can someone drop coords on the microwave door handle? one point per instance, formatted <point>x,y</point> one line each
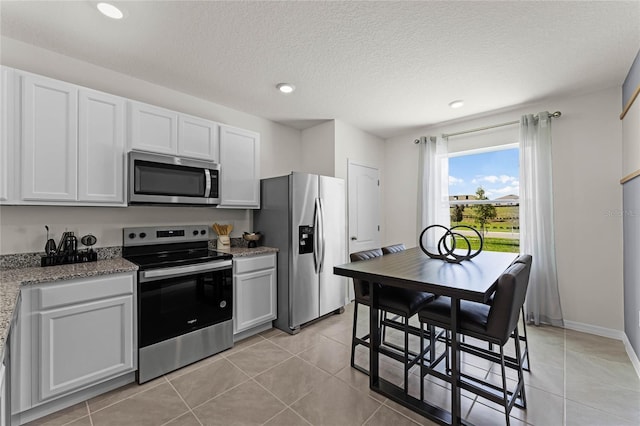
<point>207,177</point>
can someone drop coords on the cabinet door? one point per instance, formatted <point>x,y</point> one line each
<point>6,151</point>
<point>198,138</point>
<point>240,168</point>
<point>83,344</point>
<point>4,401</point>
<point>254,299</point>
<point>49,139</point>
<point>153,129</point>
<point>100,147</point>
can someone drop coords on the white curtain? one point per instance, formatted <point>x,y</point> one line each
<point>433,186</point>
<point>542,304</point>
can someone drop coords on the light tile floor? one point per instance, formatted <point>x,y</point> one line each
<point>277,379</point>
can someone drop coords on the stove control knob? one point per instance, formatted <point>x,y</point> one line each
<point>132,235</point>
<point>202,232</point>
<point>195,233</point>
<point>143,234</point>
<point>223,303</point>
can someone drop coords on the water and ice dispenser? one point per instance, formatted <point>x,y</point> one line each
<point>305,239</point>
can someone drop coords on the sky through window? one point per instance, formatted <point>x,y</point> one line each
<point>497,172</point>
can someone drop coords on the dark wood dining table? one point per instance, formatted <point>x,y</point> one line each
<point>473,280</point>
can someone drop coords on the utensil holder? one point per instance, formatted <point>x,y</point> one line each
<point>69,258</point>
<point>224,242</point>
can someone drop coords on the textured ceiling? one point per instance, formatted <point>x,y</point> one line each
<point>384,67</point>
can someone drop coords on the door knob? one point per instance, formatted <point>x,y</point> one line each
<point>354,238</point>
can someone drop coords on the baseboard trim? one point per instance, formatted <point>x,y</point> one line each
<point>610,333</point>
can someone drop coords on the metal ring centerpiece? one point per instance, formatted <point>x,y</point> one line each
<point>448,244</point>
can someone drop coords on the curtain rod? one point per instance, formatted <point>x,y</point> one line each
<point>479,129</point>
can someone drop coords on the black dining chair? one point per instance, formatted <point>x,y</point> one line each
<point>493,323</point>
<point>394,248</point>
<point>526,363</point>
<point>401,302</point>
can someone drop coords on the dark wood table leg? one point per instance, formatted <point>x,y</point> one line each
<point>374,336</point>
<point>456,419</point>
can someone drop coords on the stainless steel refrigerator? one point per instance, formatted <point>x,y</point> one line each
<point>304,216</point>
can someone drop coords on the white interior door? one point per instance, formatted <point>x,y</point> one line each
<point>364,207</point>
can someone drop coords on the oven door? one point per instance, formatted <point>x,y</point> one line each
<point>177,300</point>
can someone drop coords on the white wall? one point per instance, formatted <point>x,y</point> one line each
<point>318,149</point>
<point>22,228</point>
<point>358,146</point>
<point>587,148</point>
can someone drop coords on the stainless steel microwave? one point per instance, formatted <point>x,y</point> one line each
<point>167,179</point>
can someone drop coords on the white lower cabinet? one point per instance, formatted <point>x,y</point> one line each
<point>254,292</point>
<point>74,355</point>
<point>4,400</point>
<point>72,335</point>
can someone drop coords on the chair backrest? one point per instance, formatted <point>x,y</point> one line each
<point>395,248</point>
<point>509,298</point>
<point>361,287</point>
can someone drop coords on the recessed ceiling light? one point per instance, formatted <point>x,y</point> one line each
<point>110,10</point>
<point>456,104</point>
<point>285,87</point>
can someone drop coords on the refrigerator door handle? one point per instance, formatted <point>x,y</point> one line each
<point>316,237</point>
<point>321,234</point>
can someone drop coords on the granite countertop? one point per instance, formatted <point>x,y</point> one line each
<point>245,251</point>
<point>12,279</point>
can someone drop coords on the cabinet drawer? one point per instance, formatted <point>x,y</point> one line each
<point>254,263</point>
<point>83,290</point>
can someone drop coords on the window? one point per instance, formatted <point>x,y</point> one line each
<point>484,194</point>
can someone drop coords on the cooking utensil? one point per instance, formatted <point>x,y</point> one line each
<point>63,238</point>
<point>50,246</point>
<point>88,240</point>
<point>222,229</point>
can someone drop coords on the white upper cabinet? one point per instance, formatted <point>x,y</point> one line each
<point>198,138</point>
<point>68,146</point>
<point>101,147</point>
<point>6,128</point>
<point>49,139</point>
<point>153,129</point>
<point>163,131</point>
<point>240,168</point>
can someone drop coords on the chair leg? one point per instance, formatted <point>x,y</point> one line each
<point>422,358</point>
<point>523,397</point>
<point>383,318</point>
<point>432,343</point>
<point>505,393</point>
<point>526,342</point>
<point>406,355</point>
<point>353,335</point>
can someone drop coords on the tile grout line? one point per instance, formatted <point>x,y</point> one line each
<point>89,411</point>
<point>123,399</point>
<point>185,403</point>
<point>286,406</point>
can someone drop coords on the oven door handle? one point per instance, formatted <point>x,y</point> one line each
<point>156,274</point>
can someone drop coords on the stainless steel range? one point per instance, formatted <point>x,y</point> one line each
<point>185,297</point>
